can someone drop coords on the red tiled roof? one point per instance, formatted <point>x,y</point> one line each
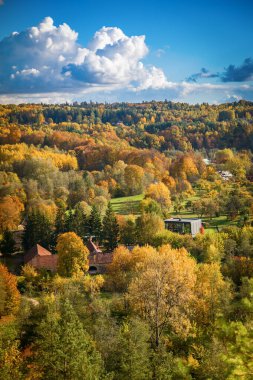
<point>92,247</point>
<point>36,250</point>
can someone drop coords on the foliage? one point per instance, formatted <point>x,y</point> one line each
<point>9,294</point>
<point>72,255</point>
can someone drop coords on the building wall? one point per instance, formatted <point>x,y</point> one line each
<point>47,262</point>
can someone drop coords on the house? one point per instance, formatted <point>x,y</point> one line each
<point>92,247</point>
<point>41,258</point>
<point>99,262</point>
<point>191,226</point>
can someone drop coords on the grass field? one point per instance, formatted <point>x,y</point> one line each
<point>127,205</point>
<point>131,205</point>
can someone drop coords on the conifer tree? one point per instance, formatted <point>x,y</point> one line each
<point>7,245</point>
<point>129,358</point>
<point>110,233</point>
<point>95,225</point>
<point>39,230</point>
<point>64,350</point>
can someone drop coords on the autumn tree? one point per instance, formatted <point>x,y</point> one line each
<point>134,179</point>
<point>147,226</point>
<point>9,294</point>
<point>72,255</point>
<point>160,193</point>
<point>120,270</point>
<point>10,212</point>
<point>163,291</point>
<point>11,363</point>
<point>212,294</point>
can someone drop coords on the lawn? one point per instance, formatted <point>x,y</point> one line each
<point>127,205</point>
<point>131,205</point>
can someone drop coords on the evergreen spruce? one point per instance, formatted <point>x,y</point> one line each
<point>110,233</point>
<point>65,350</point>
<point>8,243</point>
<point>95,224</point>
<point>39,230</point>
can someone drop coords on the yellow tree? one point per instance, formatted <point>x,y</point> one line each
<point>160,193</point>
<point>72,255</point>
<point>134,176</point>
<point>9,294</point>
<point>10,212</point>
<point>163,291</point>
<point>212,293</point>
<point>123,267</point>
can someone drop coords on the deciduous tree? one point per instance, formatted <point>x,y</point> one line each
<point>72,255</point>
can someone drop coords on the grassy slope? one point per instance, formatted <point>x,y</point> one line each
<point>130,205</point>
<point>127,205</point>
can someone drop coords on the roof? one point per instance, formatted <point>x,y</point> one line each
<point>36,250</point>
<point>92,247</point>
<point>182,220</point>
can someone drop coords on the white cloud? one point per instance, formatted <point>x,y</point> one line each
<point>49,58</point>
<point>46,63</point>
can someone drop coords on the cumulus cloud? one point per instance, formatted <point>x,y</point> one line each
<point>241,73</point>
<point>49,58</point>
<point>46,63</point>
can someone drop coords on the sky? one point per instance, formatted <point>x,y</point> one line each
<point>189,51</point>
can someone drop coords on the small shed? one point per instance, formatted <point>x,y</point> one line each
<point>183,226</point>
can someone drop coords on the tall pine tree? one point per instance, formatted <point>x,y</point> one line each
<point>110,233</point>
<point>39,230</point>
<point>64,349</point>
<point>7,245</point>
<point>95,224</point>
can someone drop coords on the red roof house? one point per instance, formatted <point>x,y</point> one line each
<point>40,258</point>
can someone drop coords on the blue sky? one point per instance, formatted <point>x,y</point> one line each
<point>187,49</point>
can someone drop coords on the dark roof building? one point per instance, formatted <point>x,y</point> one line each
<point>191,226</point>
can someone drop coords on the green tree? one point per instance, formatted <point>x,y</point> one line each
<point>110,232</point>
<point>10,356</point>
<point>7,245</point>
<point>147,226</point>
<point>39,230</point>
<point>64,350</point>
<point>131,356</point>
<point>95,224</point>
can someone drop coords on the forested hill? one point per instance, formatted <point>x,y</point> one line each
<point>165,304</point>
<point>159,125</point>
